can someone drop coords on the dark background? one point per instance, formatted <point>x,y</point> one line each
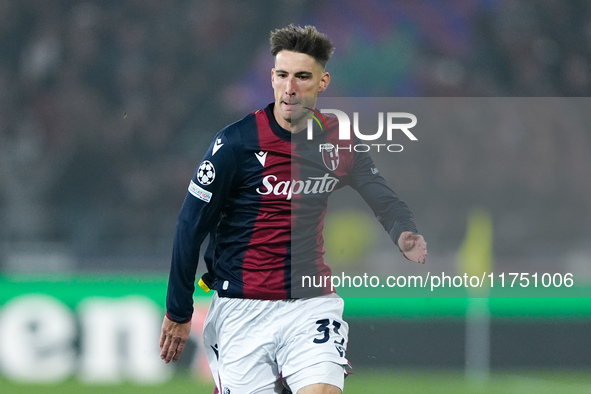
<point>106,108</point>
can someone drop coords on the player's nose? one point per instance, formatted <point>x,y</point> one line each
<point>290,87</point>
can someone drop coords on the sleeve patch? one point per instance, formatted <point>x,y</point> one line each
<point>199,192</point>
<point>206,173</point>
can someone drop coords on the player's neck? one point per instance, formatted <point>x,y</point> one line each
<point>293,128</point>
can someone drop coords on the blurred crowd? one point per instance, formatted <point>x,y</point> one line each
<point>106,107</point>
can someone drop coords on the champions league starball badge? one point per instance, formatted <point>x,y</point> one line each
<point>206,173</point>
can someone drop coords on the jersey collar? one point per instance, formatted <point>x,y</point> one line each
<point>282,133</point>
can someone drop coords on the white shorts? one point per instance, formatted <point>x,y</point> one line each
<point>257,346</point>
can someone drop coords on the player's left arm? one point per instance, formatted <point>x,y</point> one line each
<point>390,210</point>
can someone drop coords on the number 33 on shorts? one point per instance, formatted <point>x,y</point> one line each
<point>324,326</point>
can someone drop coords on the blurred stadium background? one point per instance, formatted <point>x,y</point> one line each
<point>106,108</point>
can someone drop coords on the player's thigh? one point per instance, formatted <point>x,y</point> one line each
<point>321,378</point>
<point>240,349</point>
<point>320,389</point>
<point>317,339</point>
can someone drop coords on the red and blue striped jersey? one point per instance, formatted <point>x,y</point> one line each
<point>261,195</point>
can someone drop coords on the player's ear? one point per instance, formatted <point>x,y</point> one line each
<point>324,81</point>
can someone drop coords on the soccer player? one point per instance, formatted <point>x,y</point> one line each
<point>260,193</point>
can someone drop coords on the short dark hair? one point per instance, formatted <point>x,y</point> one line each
<point>305,39</point>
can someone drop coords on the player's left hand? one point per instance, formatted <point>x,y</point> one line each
<point>413,246</point>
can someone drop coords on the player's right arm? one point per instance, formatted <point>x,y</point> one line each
<point>199,215</point>
<point>173,339</point>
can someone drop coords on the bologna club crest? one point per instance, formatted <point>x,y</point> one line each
<point>330,156</point>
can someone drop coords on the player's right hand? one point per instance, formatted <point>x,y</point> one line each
<point>173,339</point>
